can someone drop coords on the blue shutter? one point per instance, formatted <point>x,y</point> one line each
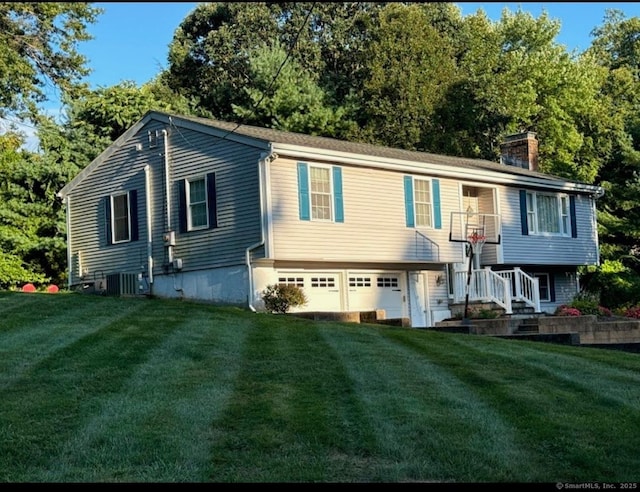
<point>337,194</point>
<point>552,287</point>
<point>211,200</point>
<point>303,191</point>
<point>133,214</point>
<point>182,206</point>
<point>408,201</point>
<point>107,219</point>
<point>523,213</point>
<point>437,214</point>
<point>572,215</point>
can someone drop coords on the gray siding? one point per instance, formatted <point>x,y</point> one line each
<point>191,154</point>
<point>519,249</point>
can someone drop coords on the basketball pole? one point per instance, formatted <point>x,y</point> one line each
<point>466,296</point>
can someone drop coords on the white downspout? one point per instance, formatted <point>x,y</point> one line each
<point>262,163</point>
<point>167,191</point>
<point>147,184</point>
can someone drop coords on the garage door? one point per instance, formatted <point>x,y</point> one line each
<point>322,290</point>
<point>370,291</point>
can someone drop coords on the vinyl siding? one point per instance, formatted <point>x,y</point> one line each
<point>191,154</point>
<point>374,227</point>
<point>519,249</point>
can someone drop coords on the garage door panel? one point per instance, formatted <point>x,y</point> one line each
<point>321,289</point>
<point>370,291</point>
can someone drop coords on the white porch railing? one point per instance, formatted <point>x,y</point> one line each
<point>500,287</point>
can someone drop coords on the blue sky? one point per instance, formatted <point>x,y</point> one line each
<point>131,39</point>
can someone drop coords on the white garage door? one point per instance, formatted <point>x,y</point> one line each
<point>321,289</point>
<point>370,291</point>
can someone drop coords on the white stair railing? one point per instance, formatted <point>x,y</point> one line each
<point>502,287</point>
<point>484,286</point>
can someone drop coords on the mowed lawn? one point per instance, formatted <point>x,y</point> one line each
<point>101,389</point>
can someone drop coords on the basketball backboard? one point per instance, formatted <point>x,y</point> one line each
<point>465,226</point>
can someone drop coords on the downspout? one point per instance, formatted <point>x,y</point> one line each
<point>262,164</point>
<point>147,184</point>
<point>167,191</point>
<point>67,202</point>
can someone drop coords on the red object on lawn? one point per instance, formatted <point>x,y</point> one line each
<point>28,288</point>
<point>53,289</point>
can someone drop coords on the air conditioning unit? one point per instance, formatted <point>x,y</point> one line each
<point>122,284</point>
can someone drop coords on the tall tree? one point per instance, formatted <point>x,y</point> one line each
<point>38,47</point>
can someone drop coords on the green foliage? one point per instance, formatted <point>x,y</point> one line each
<point>38,44</point>
<point>293,103</point>
<point>613,283</point>
<point>280,298</point>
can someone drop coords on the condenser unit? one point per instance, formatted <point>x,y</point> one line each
<point>122,284</point>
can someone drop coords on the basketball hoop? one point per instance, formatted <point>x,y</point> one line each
<point>476,240</point>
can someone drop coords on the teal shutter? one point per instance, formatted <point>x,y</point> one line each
<point>523,213</point>
<point>408,201</point>
<point>303,191</point>
<point>572,215</point>
<point>437,214</point>
<point>337,194</point>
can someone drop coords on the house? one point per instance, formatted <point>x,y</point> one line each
<point>187,207</point>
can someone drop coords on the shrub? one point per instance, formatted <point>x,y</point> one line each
<point>633,312</point>
<point>280,298</point>
<point>565,310</point>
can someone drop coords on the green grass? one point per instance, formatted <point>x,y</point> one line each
<point>99,389</point>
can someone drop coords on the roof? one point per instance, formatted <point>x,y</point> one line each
<point>269,137</point>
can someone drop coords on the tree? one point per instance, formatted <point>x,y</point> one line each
<point>410,67</point>
<point>37,47</point>
<point>284,96</point>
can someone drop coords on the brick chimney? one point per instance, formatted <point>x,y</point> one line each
<point>520,150</point>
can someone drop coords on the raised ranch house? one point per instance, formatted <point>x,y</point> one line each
<point>200,209</point>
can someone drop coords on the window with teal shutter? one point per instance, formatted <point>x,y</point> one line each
<point>320,194</point>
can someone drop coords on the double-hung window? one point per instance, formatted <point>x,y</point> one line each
<point>121,217</point>
<point>197,217</point>
<point>548,214</point>
<point>320,193</point>
<point>197,203</point>
<point>422,202</point>
<point>121,223</point>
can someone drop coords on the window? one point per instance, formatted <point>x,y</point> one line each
<point>320,193</point>
<point>297,281</point>
<point>388,282</point>
<point>323,282</point>
<point>121,217</point>
<point>197,204</point>
<point>422,202</point>
<point>548,214</point>
<point>543,286</point>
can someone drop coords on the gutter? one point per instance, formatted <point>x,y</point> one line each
<point>67,202</point>
<point>147,184</point>
<point>262,169</point>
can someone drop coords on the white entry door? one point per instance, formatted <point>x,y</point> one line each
<point>419,309</point>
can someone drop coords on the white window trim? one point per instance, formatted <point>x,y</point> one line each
<point>331,194</point>
<point>113,218</point>
<point>415,203</point>
<point>532,214</point>
<point>187,191</point>
<point>540,276</point>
